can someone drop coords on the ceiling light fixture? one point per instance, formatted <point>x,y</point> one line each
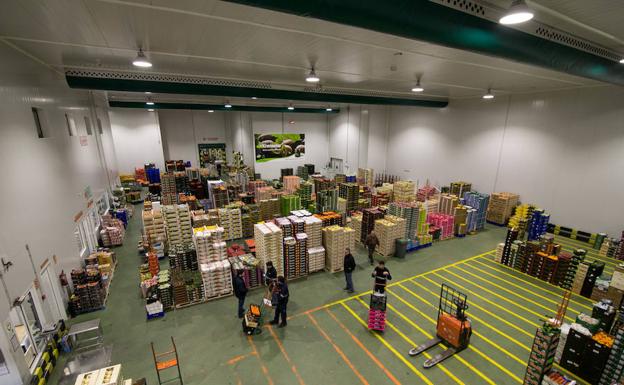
<point>141,60</point>
<point>147,92</point>
<point>329,109</point>
<point>291,107</point>
<point>489,94</point>
<point>150,109</point>
<point>519,12</point>
<point>418,87</point>
<point>312,78</point>
<point>149,103</point>
<point>227,104</point>
<point>622,61</point>
<point>211,111</point>
<point>254,97</point>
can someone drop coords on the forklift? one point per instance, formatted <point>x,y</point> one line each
<point>453,327</point>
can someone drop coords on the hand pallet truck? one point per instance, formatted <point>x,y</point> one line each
<point>453,327</point>
<point>253,318</point>
<point>169,363</point>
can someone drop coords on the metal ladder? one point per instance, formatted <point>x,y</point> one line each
<point>167,360</point>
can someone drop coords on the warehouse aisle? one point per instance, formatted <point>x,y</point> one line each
<point>327,327</point>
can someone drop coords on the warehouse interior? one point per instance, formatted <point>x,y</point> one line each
<point>155,150</point>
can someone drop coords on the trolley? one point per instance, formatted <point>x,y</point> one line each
<point>167,360</point>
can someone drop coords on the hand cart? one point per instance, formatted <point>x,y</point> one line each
<point>167,360</point>
<point>253,319</point>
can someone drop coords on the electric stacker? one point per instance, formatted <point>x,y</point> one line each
<point>453,327</point>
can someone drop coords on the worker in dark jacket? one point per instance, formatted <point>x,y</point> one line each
<point>371,242</point>
<point>282,302</point>
<point>349,266</point>
<point>382,276</point>
<point>240,291</point>
<point>270,274</point>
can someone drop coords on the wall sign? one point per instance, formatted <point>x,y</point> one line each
<point>279,146</point>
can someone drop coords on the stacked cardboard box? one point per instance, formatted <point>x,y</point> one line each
<point>388,232</point>
<point>209,244</point>
<point>365,176</point>
<point>329,218</point>
<point>327,200</point>
<point>448,203</point>
<point>426,192</point>
<point>230,220</point>
<point>291,183</point>
<point>316,258</point>
<point>480,203</point>
<point>409,212</point>
<point>501,206</point>
<point>154,226</point>
<point>264,193</point>
<point>499,252</point>
<point>301,255</point>
<point>542,354</point>
<point>305,194</point>
<point>335,241</point>
<point>356,224</point>
<point>459,188</point>
<point>269,209</point>
<point>401,225</point>
<point>217,278</point>
<point>403,191</point>
<point>369,216</point>
<point>268,240</point>
<point>312,227</point>
<point>289,203</point>
<point>444,222</point>
<point>178,224</point>
<point>350,193</point>
<point>250,215</point>
<point>169,195</point>
<point>253,186</point>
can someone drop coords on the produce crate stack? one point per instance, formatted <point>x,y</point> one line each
<point>340,178</point>
<point>499,252</point>
<point>365,176</point>
<point>350,237</point>
<point>369,216</point>
<point>219,195</point>
<point>501,206</point>
<point>377,312</point>
<point>480,203</point>
<point>217,277</point>
<point>568,263</point>
<point>182,183</point>
<point>252,271</point>
<point>254,185</point>
<point>518,257</point>
<point>380,199</point>
<point>521,218</point>
<point>459,188</point>
<point>291,183</point>
<point>290,244</point>
<point>512,235</point>
<point>614,369</point>
<point>298,224</point>
<point>305,194</point>
<point>422,231</point>
<point>448,203</point>
<point>579,278</point>
<point>183,257</point>
<point>444,222</point>
<point>234,191</point>
<point>302,172</point>
<point>289,203</point>
<point>209,244</point>
<point>165,295</point>
<point>334,243</point>
<point>350,193</point>
<point>268,239</point>
<point>593,272</point>
<point>316,258</point>
<point>230,220</point>
<point>301,255</point>
<point>269,209</point>
<point>285,172</point>
<point>460,218</point>
<point>169,195</point>
<point>426,192</point>
<point>326,200</point>
<point>250,215</point>
<point>356,224</point>
<point>388,230</point>
<point>312,227</point>
<point>610,248</point>
<point>542,354</point>
<point>286,226</point>
<point>154,226</point>
<point>538,224</point>
<point>322,184</point>
<point>330,218</point>
<point>197,189</point>
<point>177,224</point>
<point>341,205</point>
<point>403,191</point>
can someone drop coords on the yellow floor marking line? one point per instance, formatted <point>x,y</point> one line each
<point>501,297</point>
<point>515,341</point>
<point>534,324</point>
<point>390,347</point>
<point>511,292</point>
<point>409,341</point>
<point>407,279</point>
<point>522,362</point>
<point>479,352</point>
<point>586,306</point>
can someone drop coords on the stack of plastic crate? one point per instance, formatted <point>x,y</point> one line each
<point>377,312</point>
<point>403,191</point>
<point>230,220</point>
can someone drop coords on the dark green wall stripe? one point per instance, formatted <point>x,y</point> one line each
<point>217,107</point>
<point>427,21</point>
<point>95,83</point>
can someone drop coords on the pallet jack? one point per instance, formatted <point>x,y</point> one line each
<point>453,327</point>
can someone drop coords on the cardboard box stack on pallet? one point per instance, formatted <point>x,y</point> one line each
<point>268,239</point>
<point>350,193</point>
<point>356,224</point>
<point>169,195</point>
<point>480,203</point>
<point>230,220</point>
<point>327,200</point>
<point>291,183</point>
<point>459,188</point>
<point>316,258</point>
<point>289,203</point>
<point>501,207</point>
<point>403,191</point>
<point>369,216</point>
<point>154,226</point>
<point>313,227</point>
<point>209,244</point>
<point>335,240</point>
<point>385,231</point>
<point>178,224</point>
<point>217,278</point>
<point>365,176</point>
<point>269,209</point>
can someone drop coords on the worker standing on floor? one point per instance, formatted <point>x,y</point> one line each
<point>240,291</point>
<point>270,275</point>
<point>371,242</point>
<point>282,302</point>
<point>349,266</point>
<point>382,276</point>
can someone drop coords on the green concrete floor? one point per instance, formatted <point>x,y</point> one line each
<point>331,344</point>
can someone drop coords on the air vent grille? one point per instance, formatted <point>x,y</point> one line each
<point>564,38</point>
<point>467,6</point>
<point>167,78</point>
<point>351,91</point>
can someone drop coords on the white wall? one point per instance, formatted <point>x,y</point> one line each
<point>562,151</point>
<point>43,180</point>
<point>137,138</point>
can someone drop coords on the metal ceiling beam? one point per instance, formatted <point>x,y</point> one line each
<point>133,85</point>
<point>218,107</point>
<point>427,21</point>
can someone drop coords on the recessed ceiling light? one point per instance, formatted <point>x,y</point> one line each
<point>312,78</point>
<point>518,13</point>
<point>254,98</point>
<point>227,105</point>
<point>149,103</point>
<point>210,110</point>
<point>489,94</point>
<point>147,92</point>
<point>418,87</point>
<point>329,109</point>
<point>150,109</point>
<point>141,60</point>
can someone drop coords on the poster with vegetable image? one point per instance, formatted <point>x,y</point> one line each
<point>279,146</point>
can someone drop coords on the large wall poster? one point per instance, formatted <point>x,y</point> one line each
<point>279,146</point>
<point>209,153</point>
